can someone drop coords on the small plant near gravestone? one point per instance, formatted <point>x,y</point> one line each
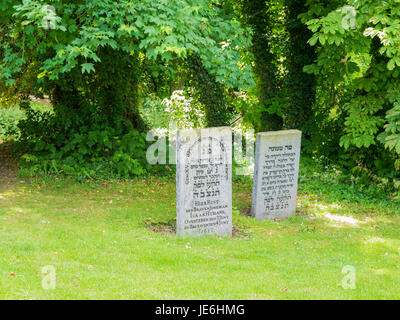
<point>307,228</point>
<point>161,226</point>
<point>241,232</point>
<point>245,211</point>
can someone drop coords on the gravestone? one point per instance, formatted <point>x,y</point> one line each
<point>276,173</point>
<point>204,182</point>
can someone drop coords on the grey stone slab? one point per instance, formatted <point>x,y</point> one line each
<point>276,171</point>
<point>204,182</point>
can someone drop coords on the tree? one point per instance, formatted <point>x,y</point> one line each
<point>89,57</point>
<point>358,53</point>
<point>210,93</point>
<point>85,58</point>
<point>260,17</point>
<point>301,86</point>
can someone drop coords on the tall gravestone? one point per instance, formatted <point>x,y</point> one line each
<point>204,182</point>
<point>276,174</point>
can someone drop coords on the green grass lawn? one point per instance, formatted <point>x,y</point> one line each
<point>114,242</point>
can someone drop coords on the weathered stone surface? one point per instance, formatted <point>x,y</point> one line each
<point>204,182</point>
<point>276,173</point>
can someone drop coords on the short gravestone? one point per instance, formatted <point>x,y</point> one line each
<point>204,182</point>
<point>275,174</point>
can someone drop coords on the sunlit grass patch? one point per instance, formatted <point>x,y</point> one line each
<point>116,240</point>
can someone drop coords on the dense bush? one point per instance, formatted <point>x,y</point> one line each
<point>9,118</point>
<point>84,146</point>
<point>357,110</point>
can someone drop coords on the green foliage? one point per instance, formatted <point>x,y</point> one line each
<point>357,59</point>
<point>332,182</point>
<point>185,111</point>
<point>83,147</point>
<point>153,112</point>
<point>9,118</point>
<point>158,29</point>
<point>263,18</point>
<point>210,93</point>
<point>96,65</point>
<point>301,87</point>
<point>327,67</point>
<point>391,136</point>
<point>247,104</point>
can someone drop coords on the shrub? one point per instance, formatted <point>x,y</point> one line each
<point>9,118</point>
<point>84,147</point>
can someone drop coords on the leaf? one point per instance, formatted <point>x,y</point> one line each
<point>391,64</point>
<point>313,40</point>
<point>87,67</point>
